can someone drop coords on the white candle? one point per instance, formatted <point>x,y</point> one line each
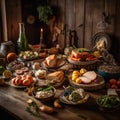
<point>41,36</point>
<point>41,33</point>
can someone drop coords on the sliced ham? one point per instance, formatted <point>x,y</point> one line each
<point>77,54</point>
<point>85,79</point>
<point>90,75</point>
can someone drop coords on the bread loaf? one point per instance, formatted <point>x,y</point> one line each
<point>51,60</point>
<point>58,74</point>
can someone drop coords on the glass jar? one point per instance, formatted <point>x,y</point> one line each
<point>22,42</point>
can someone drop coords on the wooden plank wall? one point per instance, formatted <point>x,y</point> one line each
<point>1,32</point>
<point>86,13</point>
<point>13,13</point>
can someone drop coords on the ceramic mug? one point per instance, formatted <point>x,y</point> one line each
<point>6,47</point>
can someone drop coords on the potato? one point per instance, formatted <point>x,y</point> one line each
<point>57,103</point>
<point>46,109</point>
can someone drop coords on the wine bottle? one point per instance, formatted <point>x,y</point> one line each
<point>22,42</point>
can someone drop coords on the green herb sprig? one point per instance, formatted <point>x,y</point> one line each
<point>33,108</point>
<point>45,89</point>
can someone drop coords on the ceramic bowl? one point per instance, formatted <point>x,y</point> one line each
<point>109,71</point>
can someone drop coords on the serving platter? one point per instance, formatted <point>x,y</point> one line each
<point>47,81</point>
<point>21,86</point>
<point>15,65</point>
<point>89,87</point>
<point>16,86</point>
<point>27,58</point>
<point>64,97</point>
<point>60,63</point>
<point>82,62</point>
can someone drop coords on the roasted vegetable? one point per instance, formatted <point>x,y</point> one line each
<point>57,103</point>
<point>46,109</point>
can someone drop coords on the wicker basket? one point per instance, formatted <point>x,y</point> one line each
<point>90,65</point>
<point>88,87</point>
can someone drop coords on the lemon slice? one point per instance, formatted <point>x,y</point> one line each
<point>7,73</point>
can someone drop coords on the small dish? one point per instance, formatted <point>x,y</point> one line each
<point>14,65</point>
<point>44,93</point>
<point>80,98</point>
<point>7,74</point>
<point>27,55</point>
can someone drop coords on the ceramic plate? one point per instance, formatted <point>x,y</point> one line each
<point>21,86</point>
<point>30,58</point>
<point>60,63</point>
<point>14,65</point>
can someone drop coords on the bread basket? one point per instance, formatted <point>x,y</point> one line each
<point>89,65</point>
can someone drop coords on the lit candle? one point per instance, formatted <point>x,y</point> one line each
<point>41,33</point>
<point>41,36</point>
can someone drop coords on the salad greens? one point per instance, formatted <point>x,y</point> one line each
<point>45,89</point>
<point>108,101</point>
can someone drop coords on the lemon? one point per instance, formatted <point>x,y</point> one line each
<point>74,78</point>
<point>82,71</point>
<point>76,72</point>
<point>78,80</point>
<point>96,54</point>
<point>7,73</point>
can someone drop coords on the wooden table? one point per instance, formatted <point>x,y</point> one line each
<point>14,100</point>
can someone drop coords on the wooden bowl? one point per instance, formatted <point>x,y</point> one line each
<point>105,103</point>
<point>46,93</point>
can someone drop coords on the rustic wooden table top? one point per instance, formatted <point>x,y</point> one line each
<point>14,100</point>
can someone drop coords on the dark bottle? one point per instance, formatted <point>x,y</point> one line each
<point>22,42</point>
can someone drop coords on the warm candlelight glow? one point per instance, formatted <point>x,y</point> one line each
<point>41,33</point>
<point>41,36</point>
